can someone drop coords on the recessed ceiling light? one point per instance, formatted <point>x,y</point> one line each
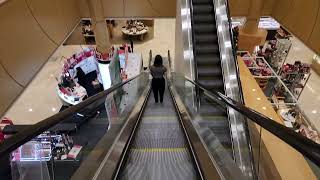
<point>30,109</point>
<point>314,111</point>
<point>53,109</point>
<point>264,108</point>
<point>258,99</point>
<point>253,89</point>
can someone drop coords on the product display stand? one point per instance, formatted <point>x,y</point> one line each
<point>280,94</point>
<point>280,54</point>
<point>295,76</point>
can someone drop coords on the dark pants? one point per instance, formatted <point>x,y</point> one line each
<point>158,86</point>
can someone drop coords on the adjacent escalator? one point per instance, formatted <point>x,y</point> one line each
<point>208,69</point>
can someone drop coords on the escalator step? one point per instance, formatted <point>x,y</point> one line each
<point>205,60</point>
<point>205,28</point>
<point>212,84</point>
<point>202,8</point>
<point>209,71</point>
<point>199,19</point>
<point>202,2</point>
<point>207,49</point>
<point>206,38</point>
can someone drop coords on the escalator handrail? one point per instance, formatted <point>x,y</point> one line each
<point>18,139</point>
<point>305,146</point>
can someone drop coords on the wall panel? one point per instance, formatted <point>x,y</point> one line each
<point>268,7</point>
<point>165,7</point>
<point>113,8</point>
<point>281,9</point>
<point>9,90</point>
<point>24,48</point>
<point>48,14</point>
<point>70,13</point>
<point>314,39</point>
<point>301,18</point>
<point>140,8</point>
<point>239,7</point>
<point>133,8</point>
<point>83,8</point>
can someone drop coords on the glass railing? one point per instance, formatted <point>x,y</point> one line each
<point>74,140</point>
<point>278,152</point>
<point>209,121</point>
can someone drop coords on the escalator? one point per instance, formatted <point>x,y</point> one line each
<point>186,137</point>
<point>208,69</point>
<point>159,148</point>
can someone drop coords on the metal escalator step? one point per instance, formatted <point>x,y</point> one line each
<point>209,71</point>
<point>206,38</point>
<point>199,19</point>
<point>205,28</point>
<point>207,49</point>
<point>159,166</point>
<point>205,60</point>
<point>202,8</point>
<point>213,83</point>
<point>202,2</point>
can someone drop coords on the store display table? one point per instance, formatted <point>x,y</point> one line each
<point>135,32</point>
<point>73,100</point>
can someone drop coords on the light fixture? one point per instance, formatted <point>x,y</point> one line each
<point>264,108</point>
<point>314,111</point>
<point>30,109</point>
<point>253,90</point>
<point>53,109</point>
<point>258,99</point>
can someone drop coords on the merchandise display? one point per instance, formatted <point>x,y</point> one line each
<point>295,76</point>
<point>294,119</point>
<point>135,28</point>
<point>97,71</point>
<point>278,90</point>
<point>259,68</point>
<point>73,89</point>
<point>47,146</point>
<point>87,31</point>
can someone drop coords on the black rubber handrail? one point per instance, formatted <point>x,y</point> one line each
<point>14,142</point>
<point>305,146</point>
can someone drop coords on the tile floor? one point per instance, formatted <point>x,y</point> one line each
<point>39,100</point>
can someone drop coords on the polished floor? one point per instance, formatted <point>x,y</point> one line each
<point>40,100</point>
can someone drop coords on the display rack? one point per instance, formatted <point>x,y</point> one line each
<point>295,76</point>
<point>281,97</point>
<point>282,48</point>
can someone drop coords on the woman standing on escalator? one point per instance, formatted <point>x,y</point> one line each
<point>158,82</point>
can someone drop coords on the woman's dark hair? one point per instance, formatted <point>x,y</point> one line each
<point>158,61</point>
<point>80,73</point>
